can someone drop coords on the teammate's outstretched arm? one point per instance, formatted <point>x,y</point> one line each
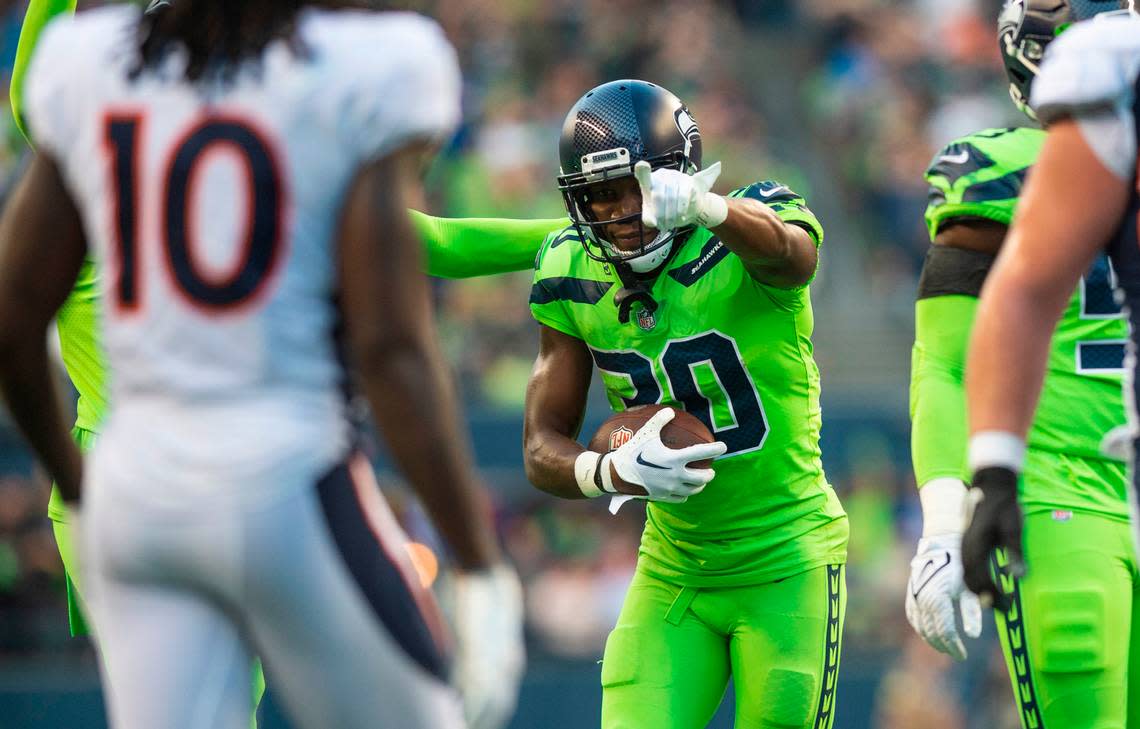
<point>42,246</point>
<point>1055,238</point>
<point>467,247</point>
<point>774,252</point>
<point>403,375</point>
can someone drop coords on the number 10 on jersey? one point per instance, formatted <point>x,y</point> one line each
<point>258,247</point>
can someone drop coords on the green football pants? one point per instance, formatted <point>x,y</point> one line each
<point>75,609</point>
<point>668,660</point>
<point>1072,636</point>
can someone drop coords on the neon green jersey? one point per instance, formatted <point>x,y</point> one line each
<point>980,176</point>
<point>78,325</point>
<point>736,354</point>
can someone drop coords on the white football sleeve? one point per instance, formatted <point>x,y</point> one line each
<point>52,88</point>
<point>393,100</point>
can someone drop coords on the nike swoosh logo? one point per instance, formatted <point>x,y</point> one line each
<point>773,191</point>
<point>956,159</point>
<point>644,462</point>
<point>921,572</point>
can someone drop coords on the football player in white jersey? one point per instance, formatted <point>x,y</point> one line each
<point>241,171</point>
<point>1080,200</point>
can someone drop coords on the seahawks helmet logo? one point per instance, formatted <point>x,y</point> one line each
<point>687,126</point>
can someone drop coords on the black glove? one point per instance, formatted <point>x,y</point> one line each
<point>996,524</point>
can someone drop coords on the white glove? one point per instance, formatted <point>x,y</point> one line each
<point>662,471</point>
<point>935,592</point>
<point>672,199</point>
<point>489,644</point>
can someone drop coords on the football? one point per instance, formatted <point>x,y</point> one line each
<point>683,430</point>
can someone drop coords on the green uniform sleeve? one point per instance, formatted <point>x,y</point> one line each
<point>790,206</point>
<point>937,388</point>
<point>980,176</point>
<point>466,247</point>
<point>556,286</point>
<point>38,15</point>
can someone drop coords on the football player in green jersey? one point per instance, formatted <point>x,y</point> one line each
<point>1066,623</point>
<point>684,297</point>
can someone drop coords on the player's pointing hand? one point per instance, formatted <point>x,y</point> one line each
<point>672,199</point>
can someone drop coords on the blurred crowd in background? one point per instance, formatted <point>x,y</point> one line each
<point>846,101</point>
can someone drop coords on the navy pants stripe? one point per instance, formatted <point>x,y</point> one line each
<point>384,585</point>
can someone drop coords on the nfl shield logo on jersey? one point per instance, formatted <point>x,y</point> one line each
<point>645,319</point>
<point>619,437</point>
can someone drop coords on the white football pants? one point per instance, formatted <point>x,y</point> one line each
<point>316,583</point>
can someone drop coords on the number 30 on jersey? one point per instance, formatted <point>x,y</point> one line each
<point>706,375</point>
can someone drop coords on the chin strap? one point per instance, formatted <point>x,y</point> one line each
<point>627,296</point>
<point>635,286</point>
<point>632,291</point>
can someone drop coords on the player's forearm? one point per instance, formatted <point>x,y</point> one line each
<point>1009,350</point>
<point>38,14</point>
<point>466,247</point>
<point>415,407</point>
<point>937,387</point>
<point>549,458</point>
<point>32,289</point>
<point>28,390</point>
<point>777,253</point>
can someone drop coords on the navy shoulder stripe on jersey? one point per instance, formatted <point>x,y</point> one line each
<point>712,253</point>
<point>565,236</point>
<point>1006,187</point>
<point>566,288</point>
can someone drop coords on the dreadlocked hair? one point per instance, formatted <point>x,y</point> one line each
<point>216,35</point>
